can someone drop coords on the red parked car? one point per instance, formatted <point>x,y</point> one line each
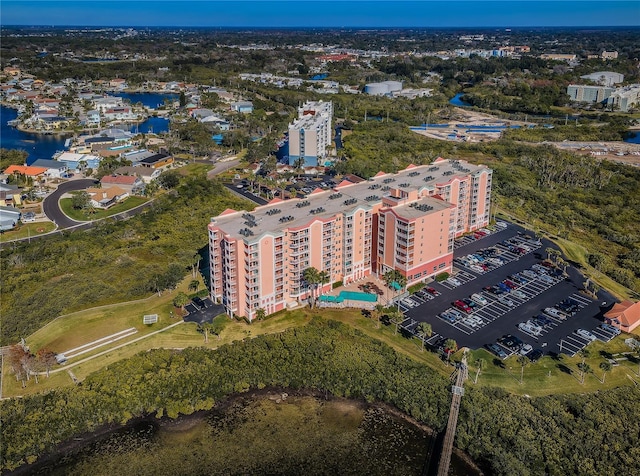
<point>462,306</point>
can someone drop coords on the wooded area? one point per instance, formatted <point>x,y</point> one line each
<point>115,261</point>
<point>596,434</point>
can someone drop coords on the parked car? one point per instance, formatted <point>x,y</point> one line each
<point>511,284</point>
<point>504,287</point>
<point>586,334</point>
<point>519,294</point>
<point>447,316</point>
<point>553,312</point>
<point>496,350</point>
<point>493,290</point>
<point>462,306</point>
<point>529,274</point>
<point>505,300</point>
<point>546,279</point>
<point>610,328</point>
<point>469,322</point>
<point>453,282</point>
<point>511,342</point>
<point>517,278</point>
<point>535,355</point>
<point>526,349</point>
<point>470,303</point>
<point>524,327</point>
<point>543,320</point>
<point>455,313</point>
<point>480,299</point>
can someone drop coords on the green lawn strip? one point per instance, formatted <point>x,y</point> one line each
<point>550,376</point>
<point>27,230</point>
<point>82,215</point>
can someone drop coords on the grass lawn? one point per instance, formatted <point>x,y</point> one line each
<point>27,229</point>
<point>551,376</point>
<point>83,215</point>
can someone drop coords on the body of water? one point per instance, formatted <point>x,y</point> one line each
<point>155,125</point>
<point>152,100</point>
<point>633,138</point>
<point>38,146</point>
<point>457,101</point>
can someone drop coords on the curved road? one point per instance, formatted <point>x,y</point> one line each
<point>51,207</point>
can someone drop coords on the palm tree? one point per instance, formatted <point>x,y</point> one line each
<point>395,316</point>
<point>480,363</point>
<point>298,164</point>
<point>450,346</point>
<point>562,263</point>
<point>323,278</point>
<point>424,330</point>
<point>584,370</point>
<point>194,285</point>
<point>379,311</point>
<point>394,276</point>
<point>312,277</point>
<point>606,367</point>
<point>260,314</point>
<point>181,300</point>
<point>522,360</point>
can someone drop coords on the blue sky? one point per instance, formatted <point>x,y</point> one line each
<point>321,13</point>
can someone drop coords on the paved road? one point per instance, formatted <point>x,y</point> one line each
<point>51,207</point>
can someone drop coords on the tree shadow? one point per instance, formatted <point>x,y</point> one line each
<point>366,313</point>
<point>555,356</point>
<point>565,369</point>
<point>406,333</point>
<point>499,363</point>
<point>606,355</point>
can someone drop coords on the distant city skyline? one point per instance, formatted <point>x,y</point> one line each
<point>322,13</point>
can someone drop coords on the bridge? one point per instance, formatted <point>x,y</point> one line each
<point>460,375</point>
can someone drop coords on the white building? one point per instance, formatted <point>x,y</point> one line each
<point>604,78</point>
<point>625,98</point>
<point>310,134</point>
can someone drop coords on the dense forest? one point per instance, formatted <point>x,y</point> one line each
<point>595,434</point>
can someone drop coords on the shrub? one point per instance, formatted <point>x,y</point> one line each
<point>441,277</point>
<point>337,284</point>
<point>414,288</point>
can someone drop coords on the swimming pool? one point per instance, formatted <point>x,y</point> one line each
<point>351,296</point>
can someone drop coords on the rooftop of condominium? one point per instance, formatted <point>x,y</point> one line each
<point>346,198</point>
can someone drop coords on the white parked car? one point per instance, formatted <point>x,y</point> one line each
<point>553,312</point>
<point>524,327</point>
<point>454,282</point>
<point>519,294</point>
<point>526,349</point>
<point>480,299</point>
<point>505,300</point>
<point>586,334</point>
<point>470,322</point>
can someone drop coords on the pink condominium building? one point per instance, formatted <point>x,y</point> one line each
<point>405,221</point>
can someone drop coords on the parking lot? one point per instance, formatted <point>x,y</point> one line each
<point>507,307</point>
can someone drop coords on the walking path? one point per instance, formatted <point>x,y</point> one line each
<point>86,359</point>
<point>458,391</point>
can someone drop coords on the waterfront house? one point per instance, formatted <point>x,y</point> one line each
<point>79,162</point>
<point>54,168</point>
<point>26,170</point>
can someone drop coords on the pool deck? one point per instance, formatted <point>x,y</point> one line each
<point>371,284</point>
